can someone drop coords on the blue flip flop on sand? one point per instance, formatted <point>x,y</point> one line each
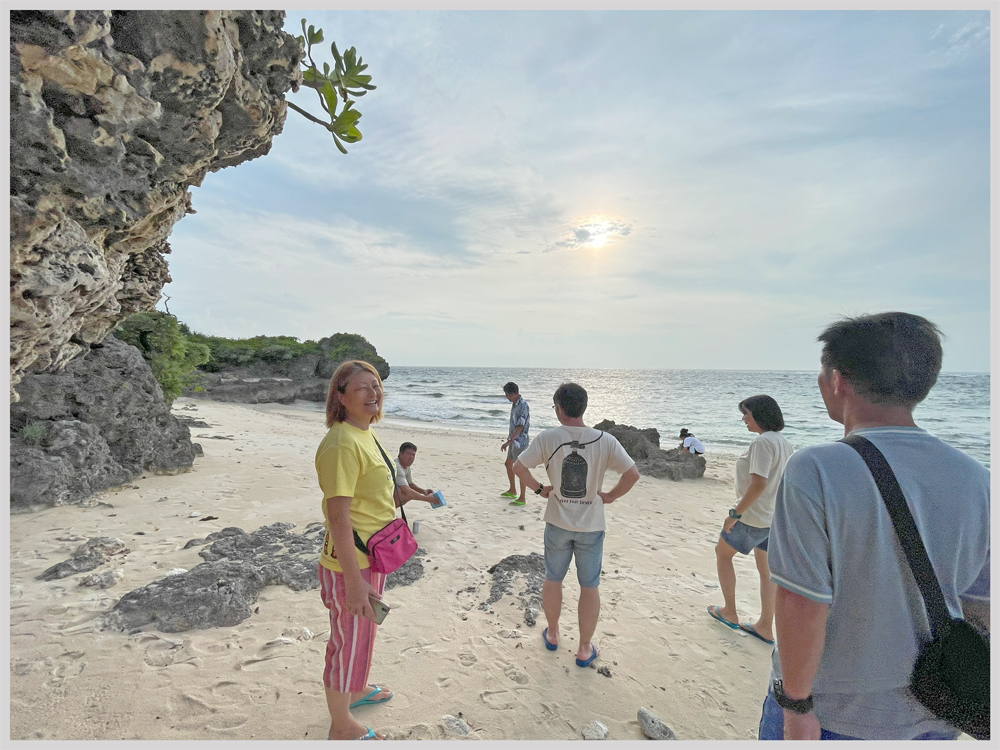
<point>367,700</point>
<point>713,611</point>
<point>545,637</point>
<point>748,628</point>
<point>586,662</point>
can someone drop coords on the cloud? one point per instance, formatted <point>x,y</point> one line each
<point>594,232</point>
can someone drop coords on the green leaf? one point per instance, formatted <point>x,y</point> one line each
<point>319,36</point>
<point>339,145</point>
<point>336,55</point>
<point>309,75</point>
<point>353,135</point>
<point>330,95</point>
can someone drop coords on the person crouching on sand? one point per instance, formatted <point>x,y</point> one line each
<point>357,485</point>
<point>758,473</point>
<point>575,458</point>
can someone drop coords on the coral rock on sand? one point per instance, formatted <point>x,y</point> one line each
<point>531,567</point>
<point>652,727</point>
<point>455,725</point>
<point>103,580</point>
<point>595,730</point>
<point>91,554</point>
<point>644,447</point>
<point>408,573</point>
<point>209,595</point>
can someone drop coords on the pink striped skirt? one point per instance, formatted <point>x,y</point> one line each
<point>352,638</point>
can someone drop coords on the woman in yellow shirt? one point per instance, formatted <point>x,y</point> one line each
<point>357,489</point>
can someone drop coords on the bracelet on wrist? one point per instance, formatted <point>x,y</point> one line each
<point>800,706</point>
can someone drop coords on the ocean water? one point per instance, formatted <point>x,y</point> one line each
<point>957,409</point>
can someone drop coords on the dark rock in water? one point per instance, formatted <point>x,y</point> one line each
<point>408,572</point>
<point>209,595</point>
<point>644,447</point>
<point>97,424</point>
<point>271,378</point>
<point>91,554</point>
<point>652,727</point>
<point>507,571</point>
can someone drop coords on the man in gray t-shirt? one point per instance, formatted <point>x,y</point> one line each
<point>849,616</point>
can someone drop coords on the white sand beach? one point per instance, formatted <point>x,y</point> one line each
<point>439,651</point>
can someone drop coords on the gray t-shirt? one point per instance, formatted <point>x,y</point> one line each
<point>832,541</point>
<point>576,473</point>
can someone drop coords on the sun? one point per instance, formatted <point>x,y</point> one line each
<point>600,240</point>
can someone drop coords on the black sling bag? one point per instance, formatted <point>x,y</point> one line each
<point>951,676</point>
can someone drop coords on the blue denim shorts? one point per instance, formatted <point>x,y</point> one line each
<point>562,545</point>
<point>743,538</point>
<point>772,725</point>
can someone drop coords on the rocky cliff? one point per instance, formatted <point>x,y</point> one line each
<point>273,373</point>
<point>95,424</point>
<point>114,116</point>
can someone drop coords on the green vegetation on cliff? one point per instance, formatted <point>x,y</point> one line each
<point>166,345</point>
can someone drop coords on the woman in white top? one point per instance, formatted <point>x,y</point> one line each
<point>758,472</point>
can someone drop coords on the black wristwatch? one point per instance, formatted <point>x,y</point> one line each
<point>734,514</point>
<point>539,490</point>
<point>801,706</point>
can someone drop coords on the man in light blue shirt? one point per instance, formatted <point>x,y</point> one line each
<point>849,616</point>
<point>517,439</point>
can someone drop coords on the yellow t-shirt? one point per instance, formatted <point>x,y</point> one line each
<point>349,464</point>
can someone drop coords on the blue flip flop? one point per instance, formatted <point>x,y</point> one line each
<point>713,612</point>
<point>367,701</point>
<point>545,637</point>
<point>370,735</point>
<point>586,663</point>
<point>748,628</point>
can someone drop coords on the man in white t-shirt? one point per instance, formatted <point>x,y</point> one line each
<point>575,458</point>
<point>405,487</point>
<point>690,443</point>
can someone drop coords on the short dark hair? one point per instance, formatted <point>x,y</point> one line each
<point>890,358</point>
<point>406,446</point>
<point>572,398</point>
<point>765,412</point>
<point>511,387</point>
<point>685,433</point>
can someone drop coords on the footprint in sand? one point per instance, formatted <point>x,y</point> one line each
<point>515,674</point>
<point>467,659</point>
<point>500,700</point>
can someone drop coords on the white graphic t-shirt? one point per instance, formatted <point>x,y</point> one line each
<point>576,459</point>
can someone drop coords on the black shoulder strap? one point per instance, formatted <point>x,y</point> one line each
<point>906,530</point>
<point>392,469</point>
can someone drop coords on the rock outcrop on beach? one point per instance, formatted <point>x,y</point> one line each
<point>114,116</point>
<point>644,447</point>
<point>90,555</point>
<point>237,566</point>
<point>277,374</point>
<point>97,424</point>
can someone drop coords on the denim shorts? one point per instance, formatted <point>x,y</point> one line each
<point>560,547</point>
<point>743,538</point>
<point>772,725</point>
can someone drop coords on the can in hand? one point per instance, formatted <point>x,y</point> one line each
<point>416,526</point>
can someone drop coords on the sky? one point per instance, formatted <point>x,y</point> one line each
<point>634,189</point>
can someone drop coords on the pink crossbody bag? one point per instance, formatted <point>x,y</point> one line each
<point>391,546</point>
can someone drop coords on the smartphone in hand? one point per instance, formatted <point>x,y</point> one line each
<point>381,609</point>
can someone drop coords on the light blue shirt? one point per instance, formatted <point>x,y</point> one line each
<point>519,416</point>
<point>832,541</point>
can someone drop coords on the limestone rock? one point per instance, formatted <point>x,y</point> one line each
<point>652,727</point>
<point>455,725</point>
<point>114,115</point>
<point>91,554</point>
<point>104,421</point>
<point>407,573</point>
<point>103,580</point>
<point>644,447</point>
<point>529,570</point>
<point>208,595</point>
<point>595,730</point>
